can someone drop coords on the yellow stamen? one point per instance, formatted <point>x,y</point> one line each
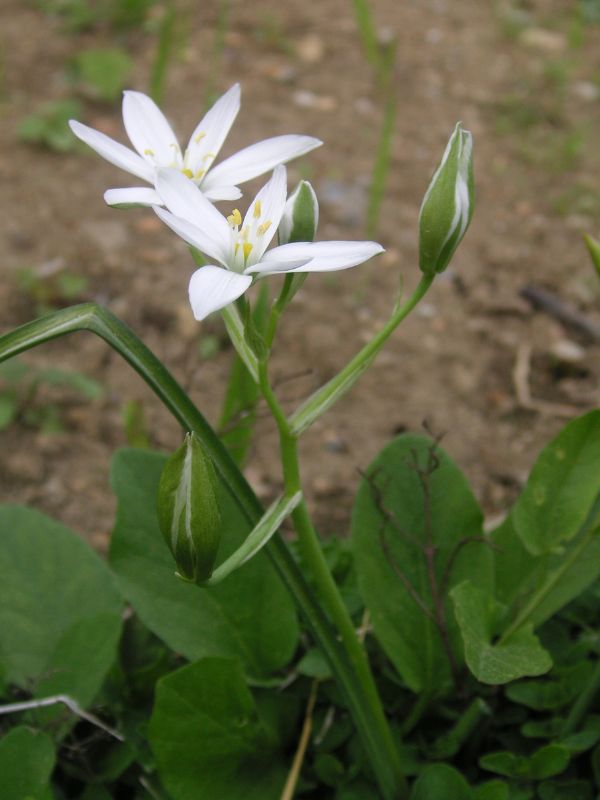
<point>247,250</point>
<point>244,233</point>
<point>236,248</point>
<point>148,152</point>
<point>200,174</point>
<point>199,136</point>
<point>188,173</point>
<point>264,227</point>
<point>257,209</point>
<point>235,218</point>
<point>208,155</point>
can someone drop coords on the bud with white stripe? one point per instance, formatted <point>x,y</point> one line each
<point>447,207</point>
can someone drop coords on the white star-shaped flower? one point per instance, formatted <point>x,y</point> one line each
<point>157,147</point>
<point>240,246</point>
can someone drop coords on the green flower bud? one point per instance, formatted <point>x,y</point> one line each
<point>593,245</point>
<point>447,207</point>
<point>188,511</point>
<point>300,215</point>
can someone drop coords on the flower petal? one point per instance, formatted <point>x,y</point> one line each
<point>184,199</point>
<point>192,234</point>
<point>149,131</point>
<point>134,196</point>
<point>112,151</point>
<point>258,159</point>
<point>271,202</point>
<point>319,256</point>
<point>210,133</point>
<point>212,288</point>
<point>222,193</point>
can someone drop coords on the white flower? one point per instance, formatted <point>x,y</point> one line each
<point>157,147</point>
<point>240,246</point>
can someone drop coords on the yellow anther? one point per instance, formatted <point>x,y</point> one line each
<point>148,152</point>
<point>264,227</point>
<point>235,218</point>
<point>257,209</point>
<point>208,155</point>
<point>199,136</point>
<point>188,173</point>
<point>247,250</point>
<point>200,174</point>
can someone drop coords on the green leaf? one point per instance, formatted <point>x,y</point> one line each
<point>208,738</point>
<point>548,695</point>
<point>441,782</point>
<point>249,616</point>
<point>26,763</point>
<point>593,246</point>
<point>59,606</point>
<point>492,790</point>
<point>393,525</point>
<point>544,763</point>
<point>48,126</point>
<point>103,71</point>
<point>520,654</point>
<point>562,488</point>
<point>565,790</point>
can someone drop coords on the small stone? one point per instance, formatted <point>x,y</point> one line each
<point>320,102</point>
<point>550,42</point>
<point>310,48</point>
<point>567,351</point>
<point>586,90</point>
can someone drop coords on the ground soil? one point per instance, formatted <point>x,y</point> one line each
<point>496,376</point>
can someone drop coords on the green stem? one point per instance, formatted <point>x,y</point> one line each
<point>329,592</point>
<point>582,703</point>
<point>328,394</point>
<point>98,320</point>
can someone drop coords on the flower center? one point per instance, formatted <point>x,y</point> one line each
<point>245,236</point>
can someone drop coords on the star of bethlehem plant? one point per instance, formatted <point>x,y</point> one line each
<point>156,147</point>
<point>442,639</point>
<point>240,245</point>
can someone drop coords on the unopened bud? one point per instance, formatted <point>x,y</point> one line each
<point>188,511</point>
<point>300,215</point>
<point>593,245</point>
<point>447,207</point>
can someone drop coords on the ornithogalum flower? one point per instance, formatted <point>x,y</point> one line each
<point>157,147</point>
<point>239,246</point>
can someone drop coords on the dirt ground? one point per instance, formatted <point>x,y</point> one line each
<point>476,360</point>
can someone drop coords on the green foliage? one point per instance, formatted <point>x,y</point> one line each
<point>102,73</point>
<point>60,612</point>
<point>21,384</point>
<point>26,762</point>
<point>80,15</point>
<point>416,533</point>
<point>50,287</point>
<point>208,736</point>
<point>48,126</point>
<point>441,782</point>
<point>197,622</point>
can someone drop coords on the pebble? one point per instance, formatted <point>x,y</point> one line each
<point>320,102</point>
<point>567,352</point>
<point>550,42</point>
<point>310,48</point>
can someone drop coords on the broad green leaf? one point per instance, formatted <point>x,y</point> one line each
<point>536,587</point>
<point>60,610</point>
<point>441,782</point>
<point>492,790</point>
<point>393,526</point>
<point>248,616</point>
<point>548,695</point>
<point>208,738</point>
<point>26,763</point>
<point>546,762</point>
<point>562,488</point>
<point>520,654</point>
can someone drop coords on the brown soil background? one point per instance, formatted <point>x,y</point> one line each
<point>525,80</point>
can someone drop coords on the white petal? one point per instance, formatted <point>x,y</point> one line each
<point>192,235</point>
<point>149,131</point>
<point>222,193</point>
<point>210,133</point>
<point>320,256</point>
<point>112,151</point>
<point>212,288</point>
<point>271,200</point>
<point>134,196</point>
<point>259,158</point>
<point>184,199</point>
